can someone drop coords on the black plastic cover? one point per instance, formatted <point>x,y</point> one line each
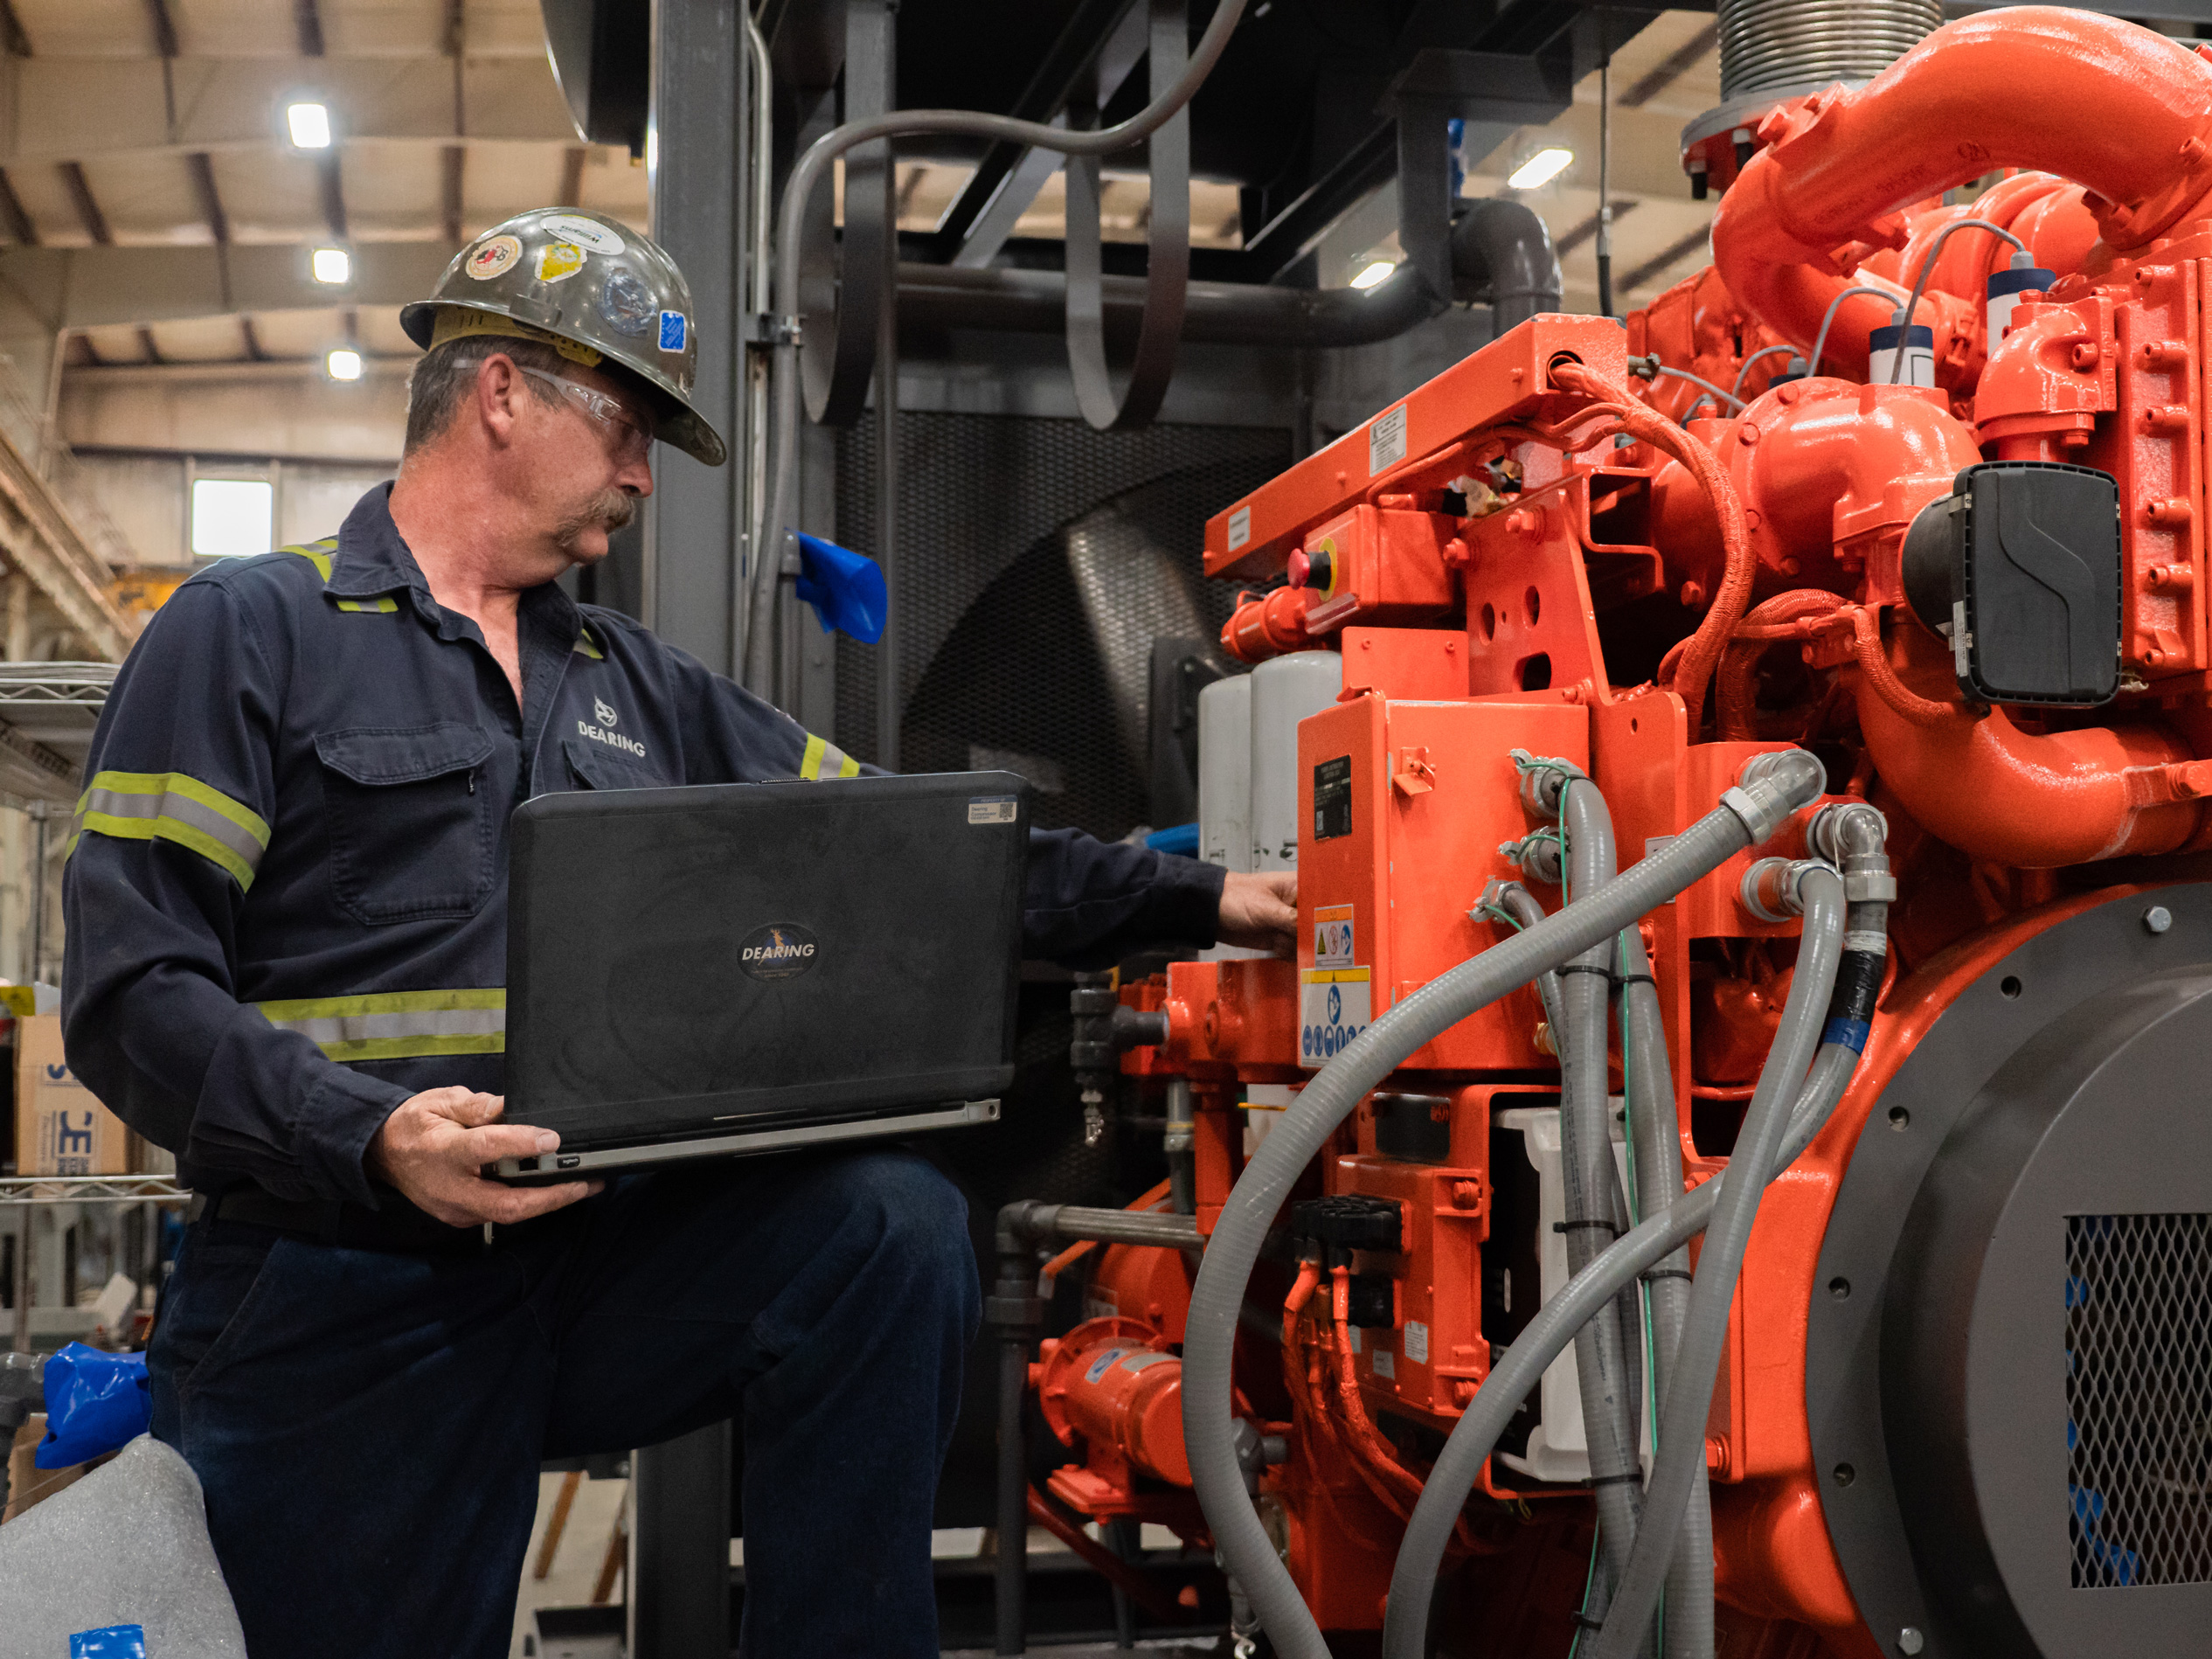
<point>2019,567</point>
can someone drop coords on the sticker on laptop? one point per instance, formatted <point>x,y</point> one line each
<point>993,809</point>
<point>782,950</point>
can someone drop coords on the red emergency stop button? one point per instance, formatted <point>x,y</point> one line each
<point>1309,570</point>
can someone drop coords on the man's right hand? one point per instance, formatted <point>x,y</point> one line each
<point>434,1145</point>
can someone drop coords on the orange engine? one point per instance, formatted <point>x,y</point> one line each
<point>1958,1407</point>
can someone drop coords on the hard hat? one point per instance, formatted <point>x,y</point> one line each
<point>593,289</point>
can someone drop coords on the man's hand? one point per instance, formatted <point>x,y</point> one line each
<point>1259,911</point>
<point>434,1144</point>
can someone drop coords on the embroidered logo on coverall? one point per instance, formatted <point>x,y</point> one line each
<point>600,734</point>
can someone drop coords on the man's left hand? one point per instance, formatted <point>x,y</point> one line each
<point>1259,911</point>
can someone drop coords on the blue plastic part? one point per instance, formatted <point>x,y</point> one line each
<point>96,1402</point>
<point>1850,1031</point>
<point>846,589</point>
<point>1184,838</point>
<point>110,1641</point>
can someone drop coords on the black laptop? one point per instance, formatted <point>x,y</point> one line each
<point>748,968</point>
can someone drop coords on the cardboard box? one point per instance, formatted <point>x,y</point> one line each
<point>61,1128</point>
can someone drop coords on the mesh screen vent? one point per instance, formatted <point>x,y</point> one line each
<point>2139,1394</point>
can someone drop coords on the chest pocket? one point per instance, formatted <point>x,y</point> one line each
<point>594,765</point>
<point>411,822</point>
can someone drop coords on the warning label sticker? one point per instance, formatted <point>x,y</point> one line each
<point>1386,441</point>
<point>1333,1004</point>
<point>1333,936</point>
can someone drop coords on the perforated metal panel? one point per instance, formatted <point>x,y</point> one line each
<point>2138,1389</point>
<point>978,493</point>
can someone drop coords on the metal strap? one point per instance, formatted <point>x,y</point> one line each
<point>848,272</point>
<point>1166,282</point>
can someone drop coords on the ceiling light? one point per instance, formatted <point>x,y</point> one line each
<point>334,265</point>
<point>310,125</point>
<point>343,363</point>
<point>1374,273</point>
<point>1541,169</point>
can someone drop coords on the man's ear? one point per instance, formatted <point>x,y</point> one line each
<point>500,392</point>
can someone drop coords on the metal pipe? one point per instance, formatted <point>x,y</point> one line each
<point>1028,1218</point>
<point>1502,252</point>
<point>1180,1146</point>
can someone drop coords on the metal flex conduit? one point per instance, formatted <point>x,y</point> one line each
<point>1611,1400</point>
<point>1648,1082</point>
<point>811,168</point>
<point>1770,788</point>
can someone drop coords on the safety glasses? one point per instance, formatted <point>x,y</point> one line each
<point>629,437</point>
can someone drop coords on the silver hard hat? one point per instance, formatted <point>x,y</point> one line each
<point>592,289</point>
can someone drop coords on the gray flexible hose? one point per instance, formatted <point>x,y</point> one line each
<point>1773,785</point>
<point>810,169</point>
<point>1750,1165</point>
<point>1610,1409</point>
<point>1522,1365</point>
<point>1655,1128</point>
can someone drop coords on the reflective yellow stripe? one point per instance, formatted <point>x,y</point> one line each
<point>823,761</point>
<point>585,647</point>
<point>396,1025</point>
<point>383,607</point>
<point>317,553</point>
<point>171,806</point>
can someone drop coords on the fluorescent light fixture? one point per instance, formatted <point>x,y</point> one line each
<point>334,265</point>
<point>310,125</point>
<point>1541,169</point>
<point>1374,273</point>
<point>232,518</point>
<point>343,363</point>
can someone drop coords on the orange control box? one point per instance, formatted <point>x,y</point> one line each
<point>1404,805</point>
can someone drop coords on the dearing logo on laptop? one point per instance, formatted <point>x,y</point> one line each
<point>782,950</point>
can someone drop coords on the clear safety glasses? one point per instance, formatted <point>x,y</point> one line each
<point>630,440</point>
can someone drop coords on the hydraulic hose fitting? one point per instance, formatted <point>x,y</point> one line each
<point>1854,838</point>
<point>1544,780</point>
<point>1540,855</point>
<point>1772,889</point>
<point>1772,786</point>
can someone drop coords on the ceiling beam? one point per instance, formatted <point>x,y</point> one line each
<point>90,288</point>
<point>307,19</point>
<point>1673,68</point>
<point>13,41</point>
<point>85,109</point>
<point>452,168</point>
<point>13,219</point>
<point>1660,263</point>
<point>333,186</point>
<point>572,161</point>
<point>80,197</point>
<point>255,353</point>
<point>157,13</point>
<point>201,166</point>
<point>146,344</point>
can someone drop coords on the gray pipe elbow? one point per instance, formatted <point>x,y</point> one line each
<point>1501,253</point>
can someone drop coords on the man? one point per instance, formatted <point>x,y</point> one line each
<point>286,900</point>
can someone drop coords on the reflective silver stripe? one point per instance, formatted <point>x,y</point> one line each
<point>176,804</point>
<point>369,1028</point>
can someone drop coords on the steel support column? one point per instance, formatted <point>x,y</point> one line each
<point>678,1592</point>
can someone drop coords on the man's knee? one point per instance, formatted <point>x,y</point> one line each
<point>922,1223</point>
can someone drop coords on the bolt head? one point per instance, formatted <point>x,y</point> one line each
<point>2158,918</point>
<point>1910,1641</point>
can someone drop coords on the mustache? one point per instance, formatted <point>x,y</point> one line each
<point>610,510</point>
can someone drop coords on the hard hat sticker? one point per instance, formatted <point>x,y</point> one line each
<point>675,329</point>
<point>557,261</point>
<point>585,232</point>
<point>625,304</point>
<point>492,257</point>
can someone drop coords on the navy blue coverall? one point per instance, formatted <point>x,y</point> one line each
<point>285,898</point>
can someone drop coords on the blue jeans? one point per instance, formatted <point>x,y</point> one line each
<point>368,1425</point>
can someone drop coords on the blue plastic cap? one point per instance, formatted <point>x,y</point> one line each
<point>2020,282</point>
<point>846,589</point>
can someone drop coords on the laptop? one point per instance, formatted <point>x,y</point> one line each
<point>720,969</point>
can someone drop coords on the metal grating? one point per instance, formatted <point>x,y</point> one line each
<point>977,492</point>
<point>2138,1395</point>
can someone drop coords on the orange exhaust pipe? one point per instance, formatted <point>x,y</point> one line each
<point>2109,105</point>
